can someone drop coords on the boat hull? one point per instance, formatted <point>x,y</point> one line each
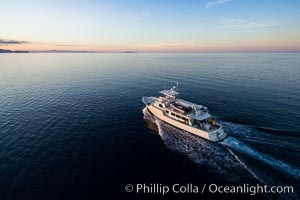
<point>212,136</point>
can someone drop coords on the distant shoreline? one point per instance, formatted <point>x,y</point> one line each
<point>9,51</point>
<point>60,51</point>
<point>126,52</point>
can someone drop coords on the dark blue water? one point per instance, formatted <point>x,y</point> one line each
<point>72,126</point>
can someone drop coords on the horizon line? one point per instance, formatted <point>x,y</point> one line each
<point>137,52</point>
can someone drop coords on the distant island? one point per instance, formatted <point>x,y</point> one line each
<point>9,51</point>
<point>77,51</point>
<point>59,51</point>
<point>62,51</point>
<point>129,52</point>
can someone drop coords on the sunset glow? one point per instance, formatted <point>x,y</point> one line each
<point>151,26</point>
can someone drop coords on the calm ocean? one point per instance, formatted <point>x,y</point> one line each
<point>72,126</point>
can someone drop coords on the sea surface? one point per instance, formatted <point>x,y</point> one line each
<point>73,126</point>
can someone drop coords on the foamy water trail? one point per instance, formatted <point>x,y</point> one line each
<point>274,163</point>
<point>245,166</point>
<point>220,157</point>
<point>249,134</point>
<point>210,157</point>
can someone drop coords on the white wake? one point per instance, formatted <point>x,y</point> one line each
<point>220,158</point>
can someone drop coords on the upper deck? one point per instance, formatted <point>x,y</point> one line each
<point>185,108</point>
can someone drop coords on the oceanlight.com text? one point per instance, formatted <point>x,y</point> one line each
<point>157,188</point>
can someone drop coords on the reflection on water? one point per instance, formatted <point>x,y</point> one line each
<point>72,123</point>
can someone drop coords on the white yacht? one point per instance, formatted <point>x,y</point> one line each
<point>184,115</point>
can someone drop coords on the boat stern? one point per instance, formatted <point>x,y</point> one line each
<point>217,135</point>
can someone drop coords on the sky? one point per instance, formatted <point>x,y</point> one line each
<point>151,26</point>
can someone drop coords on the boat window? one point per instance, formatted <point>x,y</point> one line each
<point>160,105</point>
<point>172,114</point>
<point>167,111</point>
<point>183,118</point>
<point>178,116</point>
